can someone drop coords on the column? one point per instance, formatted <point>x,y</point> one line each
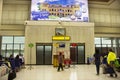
<point>0,43</point>
<point>1,5</point>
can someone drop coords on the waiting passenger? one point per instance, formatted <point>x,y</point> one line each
<point>104,63</point>
<point>17,63</point>
<point>110,59</point>
<point>1,60</point>
<point>97,61</point>
<point>7,62</point>
<point>22,61</point>
<point>12,62</point>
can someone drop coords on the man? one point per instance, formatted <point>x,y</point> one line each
<point>60,61</point>
<point>110,60</point>
<point>97,61</point>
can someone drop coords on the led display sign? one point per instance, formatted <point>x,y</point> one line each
<point>64,10</point>
<point>61,38</point>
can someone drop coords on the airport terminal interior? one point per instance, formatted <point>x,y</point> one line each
<point>33,34</point>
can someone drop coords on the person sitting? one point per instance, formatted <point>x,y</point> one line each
<point>7,63</point>
<point>12,62</point>
<point>110,60</point>
<point>22,61</point>
<point>1,60</point>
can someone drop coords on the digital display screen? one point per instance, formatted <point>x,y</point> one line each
<point>61,45</point>
<point>64,10</point>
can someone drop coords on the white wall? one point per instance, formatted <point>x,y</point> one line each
<point>15,12</point>
<point>106,17</point>
<point>41,32</point>
<point>10,30</point>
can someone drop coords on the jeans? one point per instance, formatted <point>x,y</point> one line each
<point>60,66</point>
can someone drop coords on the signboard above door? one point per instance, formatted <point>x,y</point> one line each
<point>61,38</point>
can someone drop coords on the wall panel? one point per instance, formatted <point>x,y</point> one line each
<point>36,32</point>
<point>15,14</point>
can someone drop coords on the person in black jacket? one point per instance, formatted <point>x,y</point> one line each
<point>17,63</point>
<point>1,61</point>
<point>12,61</point>
<point>97,61</point>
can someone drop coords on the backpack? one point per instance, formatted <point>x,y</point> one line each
<point>116,63</point>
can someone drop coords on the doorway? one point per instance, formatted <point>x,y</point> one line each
<point>44,53</point>
<point>77,53</point>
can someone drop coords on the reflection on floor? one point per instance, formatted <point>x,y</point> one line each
<point>77,72</point>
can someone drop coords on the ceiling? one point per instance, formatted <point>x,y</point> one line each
<point>88,0</point>
<point>100,0</point>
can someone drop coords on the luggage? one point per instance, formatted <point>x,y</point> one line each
<point>11,75</point>
<point>117,65</point>
<point>110,70</point>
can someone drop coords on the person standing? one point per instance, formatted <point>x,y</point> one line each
<point>12,61</point>
<point>110,60</point>
<point>97,61</point>
<point>60,61</point>
<point>17,63</point>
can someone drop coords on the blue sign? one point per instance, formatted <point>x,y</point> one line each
<point>37,15</point>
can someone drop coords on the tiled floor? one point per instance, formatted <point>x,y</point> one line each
<point>78,72</point>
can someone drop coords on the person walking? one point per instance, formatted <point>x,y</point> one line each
<point>60,61</point>
<point>110,60</point>
<point>97,61</point>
